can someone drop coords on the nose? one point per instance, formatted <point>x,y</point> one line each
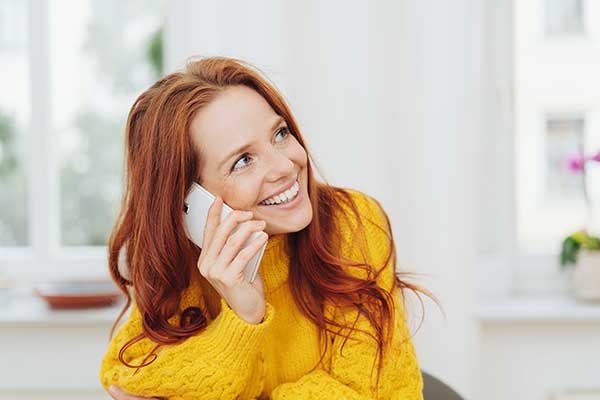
<point>278,166</point>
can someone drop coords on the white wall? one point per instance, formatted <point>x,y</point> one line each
<point>436,74</point>
<point>52,354</point>
<point>534,360</point>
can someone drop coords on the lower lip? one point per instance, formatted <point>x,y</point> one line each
<point>288,205</point>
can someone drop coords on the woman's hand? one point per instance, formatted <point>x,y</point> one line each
<point>118,394</point>
<point>222,262</point>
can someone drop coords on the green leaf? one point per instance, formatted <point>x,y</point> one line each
<point>568,254</point>
<point>155,53</point>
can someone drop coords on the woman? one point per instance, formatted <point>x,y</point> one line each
<point>325,316</point>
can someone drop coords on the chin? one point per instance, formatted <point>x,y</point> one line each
<point>290,227</point>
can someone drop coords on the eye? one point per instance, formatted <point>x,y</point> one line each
<point>283,129</point>
<point>245,156</point>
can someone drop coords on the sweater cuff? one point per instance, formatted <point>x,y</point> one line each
<point>233,335</point>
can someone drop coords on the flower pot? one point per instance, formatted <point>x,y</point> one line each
<point>586,276</point>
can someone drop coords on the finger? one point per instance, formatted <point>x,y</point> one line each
<point>232,246</point>
<point>224,230</point>
<point>118,394</point>
<point>236,240</point>
<point>236,269</point>
<point>213,218</point>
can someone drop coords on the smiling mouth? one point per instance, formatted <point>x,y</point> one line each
<point>295,185</point>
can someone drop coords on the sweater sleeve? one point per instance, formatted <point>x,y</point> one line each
<point>350,375</point>
<point>217,363</point>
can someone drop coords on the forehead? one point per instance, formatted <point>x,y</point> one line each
<point>231,119</point>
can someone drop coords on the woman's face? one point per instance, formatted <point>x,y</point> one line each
<point>247,155</point>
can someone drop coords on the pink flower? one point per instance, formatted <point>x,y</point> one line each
<point>596,157</point>
<point>575,163</point>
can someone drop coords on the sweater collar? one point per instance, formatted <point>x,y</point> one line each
<point>274,266</point>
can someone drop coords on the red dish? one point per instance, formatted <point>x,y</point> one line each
<point>78,294</point>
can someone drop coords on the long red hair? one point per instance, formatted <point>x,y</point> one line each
<point>160,166</point>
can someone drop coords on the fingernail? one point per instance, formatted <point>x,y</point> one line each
<point>111,389</point>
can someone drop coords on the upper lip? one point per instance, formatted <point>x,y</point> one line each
<point>283,189</point>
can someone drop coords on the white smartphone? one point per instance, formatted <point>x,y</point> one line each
<point>195,211</point>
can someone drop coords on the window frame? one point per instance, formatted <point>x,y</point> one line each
<point>44,258</point>
<point>506,269</point>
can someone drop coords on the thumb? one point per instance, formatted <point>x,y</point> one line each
<point>118,394</point>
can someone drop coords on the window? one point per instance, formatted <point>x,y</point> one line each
<point>545,112</point>
<point>564,17</point>
<point>100,63</point>
<point>556,92</point>
<point>75,77</point>
<point>13,28</point>
<point>550,201</point>
<point>564,139</point>
<point>15,112</point>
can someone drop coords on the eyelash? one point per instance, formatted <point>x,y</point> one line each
<point>285,129</point>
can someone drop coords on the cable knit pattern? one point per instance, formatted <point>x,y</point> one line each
<point>276,358</point>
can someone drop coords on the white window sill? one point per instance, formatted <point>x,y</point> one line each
<point>28,309</point>
<point>558,307</point>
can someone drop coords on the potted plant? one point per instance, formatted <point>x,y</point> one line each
<point>582,248</point>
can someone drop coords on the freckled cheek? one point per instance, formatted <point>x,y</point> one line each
<point>242,195</point>
<point>249,194</point>
<point>299,156</point>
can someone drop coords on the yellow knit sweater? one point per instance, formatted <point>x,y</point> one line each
<point>274,359</point>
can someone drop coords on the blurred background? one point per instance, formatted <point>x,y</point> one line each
<point>476,123</point>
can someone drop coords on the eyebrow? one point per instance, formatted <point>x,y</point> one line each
<point>241,149</point>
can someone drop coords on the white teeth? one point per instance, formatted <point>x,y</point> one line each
<point>283,197</point>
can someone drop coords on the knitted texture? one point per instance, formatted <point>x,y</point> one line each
<point>277,358</point>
